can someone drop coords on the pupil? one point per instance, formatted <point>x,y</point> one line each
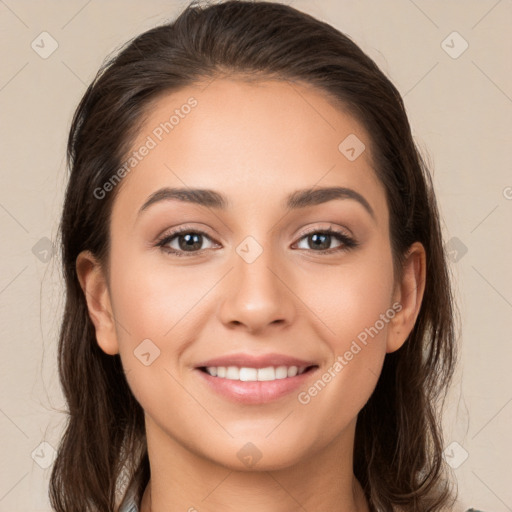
<point>190,241</point>
<point>322,238</point>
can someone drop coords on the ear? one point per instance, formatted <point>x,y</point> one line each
<point>94,285</point>
<point>407,297</point>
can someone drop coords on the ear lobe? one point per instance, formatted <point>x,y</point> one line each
<point>94,285</point>
<point>409,295</point>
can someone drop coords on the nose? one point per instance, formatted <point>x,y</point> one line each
<point>257,295</point>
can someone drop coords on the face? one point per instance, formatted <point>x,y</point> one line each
<point>263,279</point>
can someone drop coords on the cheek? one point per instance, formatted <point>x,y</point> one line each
<point>150,300</point>
<point>153,309</point>
<point>354,306</point>
<point>157,309</point>
<point>350,299</point>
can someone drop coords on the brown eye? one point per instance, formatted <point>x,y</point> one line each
<point>184,241</point>
<point>189,242</point>
<point>320,241</point>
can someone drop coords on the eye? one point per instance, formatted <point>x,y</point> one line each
<point>183,240</point>
<point>320,240</point>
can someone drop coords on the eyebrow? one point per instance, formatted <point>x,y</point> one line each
<point>296,200</point>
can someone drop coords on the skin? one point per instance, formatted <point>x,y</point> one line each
<point>256,143</point>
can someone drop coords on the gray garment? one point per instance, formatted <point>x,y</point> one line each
<point>129,505</point>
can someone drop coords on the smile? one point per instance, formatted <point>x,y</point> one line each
<point>247,385</point>
<point>246,374</point>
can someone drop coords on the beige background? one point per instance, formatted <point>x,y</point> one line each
<point>460,110</point>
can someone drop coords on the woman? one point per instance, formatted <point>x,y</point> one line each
<point>258,312</point>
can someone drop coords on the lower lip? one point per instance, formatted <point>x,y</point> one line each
<point>255,392</point>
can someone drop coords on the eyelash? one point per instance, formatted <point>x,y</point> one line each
<point>346,241</point>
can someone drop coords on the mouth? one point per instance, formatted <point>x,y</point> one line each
<point>249,374</point>
<point>255,386</point>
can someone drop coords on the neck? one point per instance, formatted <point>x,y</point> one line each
<point>183,481</point>
<point>360,503</point>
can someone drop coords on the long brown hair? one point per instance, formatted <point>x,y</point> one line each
<point>399,443</point>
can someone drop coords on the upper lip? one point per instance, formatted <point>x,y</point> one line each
<point>255,361</point>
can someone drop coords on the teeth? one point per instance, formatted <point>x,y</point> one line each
<point>281,372</point>
<point>292,371</point>
<point>232,373</point>
<point>245,374</point>
<point>266,374</point>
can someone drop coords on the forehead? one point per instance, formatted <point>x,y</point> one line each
<point>254,141</point>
